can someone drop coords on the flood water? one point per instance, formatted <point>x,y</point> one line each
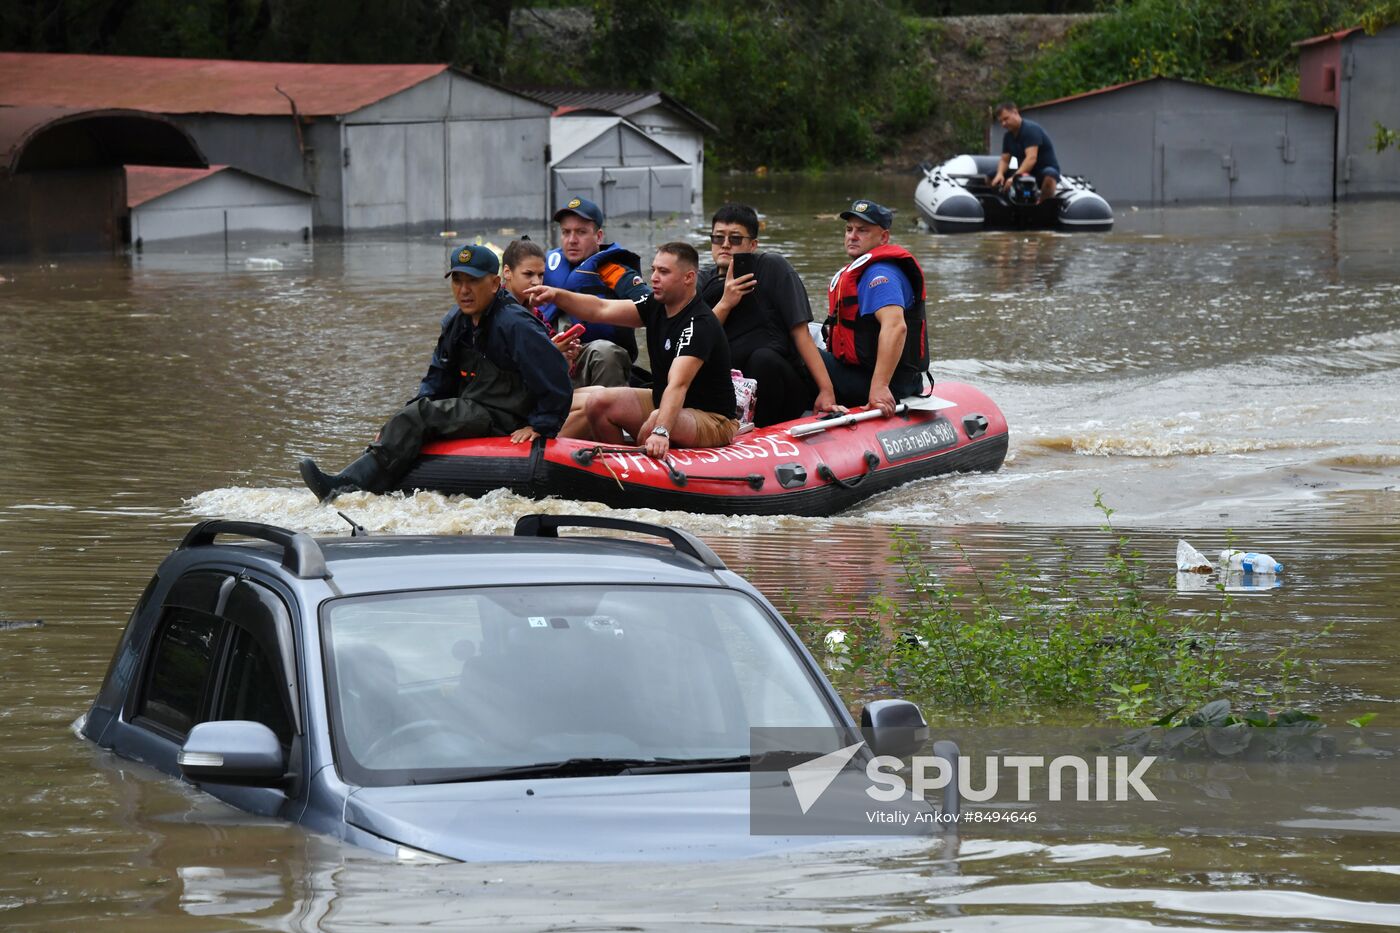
<point>1222,375</point>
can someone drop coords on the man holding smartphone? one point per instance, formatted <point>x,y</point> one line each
<point>760,299</point>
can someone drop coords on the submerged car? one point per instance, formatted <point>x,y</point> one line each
<point>471,698</point>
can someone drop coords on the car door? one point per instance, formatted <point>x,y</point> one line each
<point>222,649</point>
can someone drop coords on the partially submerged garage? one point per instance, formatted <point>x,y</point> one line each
<point>614,164</point>
<point>177,203</point>
<point>1180,142</point>
<point>379,146</point>
<point>62,176</point>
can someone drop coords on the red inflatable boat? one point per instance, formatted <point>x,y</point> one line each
<point>779,470</point>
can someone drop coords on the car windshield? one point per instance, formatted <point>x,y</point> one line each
<point>456,685</point>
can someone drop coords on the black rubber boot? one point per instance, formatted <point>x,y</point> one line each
<point>319,483</point>
<point>364,474</point>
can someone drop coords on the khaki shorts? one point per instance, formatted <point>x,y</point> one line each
<point>711,430</point>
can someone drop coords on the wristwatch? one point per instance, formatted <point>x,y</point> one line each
<point>660,431</point>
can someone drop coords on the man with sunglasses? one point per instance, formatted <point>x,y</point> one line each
<point>765,315</point>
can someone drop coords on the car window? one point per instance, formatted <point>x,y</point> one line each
<point>179,672</point>
<point>250,689</point>
<point>494,677</point>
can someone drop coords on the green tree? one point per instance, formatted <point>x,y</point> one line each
<point>1246,44</point>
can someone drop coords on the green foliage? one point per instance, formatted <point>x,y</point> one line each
<point>1215,731</point>
<point>1022,643</point>
<point>636,41</point>
<point>1385,138</point>
<point>467,34</point>
<point>1380,15</point>
<point>1244,45</point>
<point>789,83</point>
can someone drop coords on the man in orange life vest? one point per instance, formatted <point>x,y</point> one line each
<point>877,336</point>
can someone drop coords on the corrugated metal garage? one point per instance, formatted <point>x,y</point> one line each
<point>1360,76</point>
<point>616,165</point>
<point>1167,141</point>
<point>175,203</point>
<point>662,118</point>
<point>380,146</point>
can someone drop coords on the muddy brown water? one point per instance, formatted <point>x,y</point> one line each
<point>1219,374</point>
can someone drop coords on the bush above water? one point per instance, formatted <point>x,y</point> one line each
<point>1095,641</point>
<point>1248,46</point>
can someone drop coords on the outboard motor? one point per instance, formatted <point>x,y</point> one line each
<point>1023,190</point>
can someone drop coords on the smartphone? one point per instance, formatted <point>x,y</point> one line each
<point>743,263</point>
<point>569,334</point>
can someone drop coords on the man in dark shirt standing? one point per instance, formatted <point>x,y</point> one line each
<point>1026,141</point>
<point>493,373</point>
<point>691,401</point>
<point>765,314</point>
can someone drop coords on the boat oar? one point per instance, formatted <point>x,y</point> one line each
<point>913,403</point>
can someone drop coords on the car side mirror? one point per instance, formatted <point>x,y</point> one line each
<point>893,727</point>
<point>233,751</point>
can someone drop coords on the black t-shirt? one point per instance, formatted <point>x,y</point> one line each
<point>694,331</point>
<point>767,315</point>
<point>1031,134</point>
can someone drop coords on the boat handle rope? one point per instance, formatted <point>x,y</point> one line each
<point>872,460</point>
<point>585,456</point>
<point>752,480</point>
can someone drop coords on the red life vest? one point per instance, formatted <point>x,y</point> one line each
<point>856,340</point>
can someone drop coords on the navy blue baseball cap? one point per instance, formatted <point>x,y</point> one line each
<point>870,212</point>
<point>475,261</point>
<point>583,208</point>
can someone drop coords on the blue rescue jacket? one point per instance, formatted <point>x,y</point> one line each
<point>590,277</point>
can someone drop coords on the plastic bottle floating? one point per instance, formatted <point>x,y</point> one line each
<point>1233,561</point>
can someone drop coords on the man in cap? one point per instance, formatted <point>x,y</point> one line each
<point>585,263</point>
<point>493,373</point>
<point>877,336</point>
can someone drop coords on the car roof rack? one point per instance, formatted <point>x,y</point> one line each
<point>547,526</point>
<point>300,552</point>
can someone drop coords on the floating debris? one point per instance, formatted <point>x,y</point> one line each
<point>1190,560</point>
<point>10,625</point>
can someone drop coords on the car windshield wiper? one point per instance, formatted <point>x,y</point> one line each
<point>682,765</point>
<point>596,767</point>
<point>569,767</point>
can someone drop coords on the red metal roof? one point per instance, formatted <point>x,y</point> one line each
<point>1181,81</point>
<point>193,85</point>
<point>1100,90</point>
<point>1330,37</point>
<point>623,103</point>
<point>147,182</point>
